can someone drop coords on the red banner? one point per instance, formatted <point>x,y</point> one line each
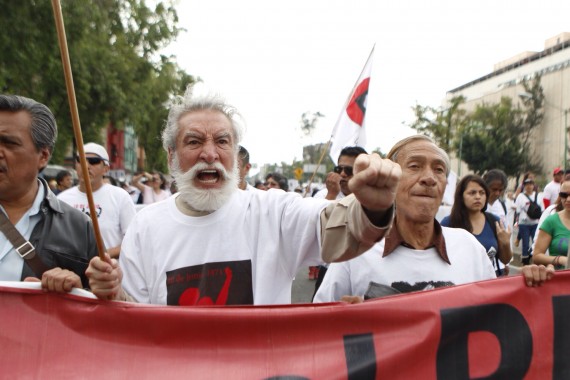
<point>496,329</point>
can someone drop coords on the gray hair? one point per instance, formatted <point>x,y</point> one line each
<point>393,154</point>
<point>189,102</point>
<point>43,128</point>
<point>495,175</point>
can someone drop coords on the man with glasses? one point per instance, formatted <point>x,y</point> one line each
<point>59,241</point>
<point>114,206</point>
<point>337,180</point>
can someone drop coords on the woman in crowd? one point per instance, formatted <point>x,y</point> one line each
<point>154,189</point>
<point>554,233</point>
<point>468,212</point>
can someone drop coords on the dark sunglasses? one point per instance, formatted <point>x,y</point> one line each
<point>91,160</point>
<point>340,168</point>
<point>563,194</point>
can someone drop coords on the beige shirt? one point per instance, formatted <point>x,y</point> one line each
<point>348,232</point>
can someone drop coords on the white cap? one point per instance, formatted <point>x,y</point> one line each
<point>98,150</point>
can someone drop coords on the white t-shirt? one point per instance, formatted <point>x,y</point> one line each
<point>551,191</point>
<point>322,194</point>
<point>407,269</point>
<point>115,210</point>
<point>247,252</point>
<point>522,202</point>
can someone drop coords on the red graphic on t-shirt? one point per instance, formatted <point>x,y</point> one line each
<point>217,283</point>
<point>191,296</point>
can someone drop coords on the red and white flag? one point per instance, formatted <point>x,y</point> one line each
<point>349,129</point>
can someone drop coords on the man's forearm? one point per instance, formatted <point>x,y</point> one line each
<point>347,230</point>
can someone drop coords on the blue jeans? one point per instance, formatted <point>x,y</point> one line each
<point>527,232</point>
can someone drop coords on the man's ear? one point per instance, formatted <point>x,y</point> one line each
<point>44,158</point>
<point>170,154</point>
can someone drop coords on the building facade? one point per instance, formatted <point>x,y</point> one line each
<point>550,139</point>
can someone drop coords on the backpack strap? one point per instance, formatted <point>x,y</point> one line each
<point>504,205</point>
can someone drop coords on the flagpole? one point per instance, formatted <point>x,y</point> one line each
<point>75,121</point>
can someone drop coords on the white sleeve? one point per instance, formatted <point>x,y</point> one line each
<point>134,279</point>
<point>336,284</point>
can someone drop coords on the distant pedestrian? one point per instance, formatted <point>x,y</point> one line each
<point>527,223</point>
<point>63,180</point>
<point>114,206</point>
<point>154,188</point>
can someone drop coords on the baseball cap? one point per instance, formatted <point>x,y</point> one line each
<point>98,150</point>
<point>557,170</point>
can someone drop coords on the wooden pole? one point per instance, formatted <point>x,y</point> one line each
<point>75,121</point>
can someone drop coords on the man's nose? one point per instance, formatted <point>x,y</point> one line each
<point>428,178</point>
<point>209,152</point>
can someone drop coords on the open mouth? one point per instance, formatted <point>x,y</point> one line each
<point>208,176</point>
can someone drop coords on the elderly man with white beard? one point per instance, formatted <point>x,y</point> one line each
<point>211,244</point>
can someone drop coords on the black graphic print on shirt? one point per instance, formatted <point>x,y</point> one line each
<point>404,287</point>
<point>84,208</point>
<point>221,283</point>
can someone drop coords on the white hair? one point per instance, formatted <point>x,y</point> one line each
<point>191,102</point>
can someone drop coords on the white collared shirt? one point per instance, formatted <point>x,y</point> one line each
<point>11,263</point>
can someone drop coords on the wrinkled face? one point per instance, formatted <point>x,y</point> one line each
<point>20,161</point>
<point>345,161</point>
<point>205,137</point>
<point>95,167</point>
<point>474,197</point>
<point>422,183</point>
<point>496,188</point>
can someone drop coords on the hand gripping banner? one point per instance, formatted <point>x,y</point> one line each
<point>491,329</point>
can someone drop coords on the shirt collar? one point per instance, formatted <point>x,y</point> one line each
<point>393,240</point>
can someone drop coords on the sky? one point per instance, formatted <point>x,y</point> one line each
<point>275,61</point>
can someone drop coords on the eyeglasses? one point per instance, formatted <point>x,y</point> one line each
<point>347,169</point>
<point>563,194</point>
<point>91,160</point>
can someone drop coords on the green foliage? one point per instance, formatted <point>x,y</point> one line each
<point>440,124</point>
<point>492,136</point>
<point>499,135</point>
<point>118,78</point>
<point>490,139</point>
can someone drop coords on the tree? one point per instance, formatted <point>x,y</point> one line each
<point>118,77</point>
<point>490,138</point>
<point>499,135</point>
<point>440,124</point>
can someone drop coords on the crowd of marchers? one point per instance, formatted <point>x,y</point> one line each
<point>214,239</point>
